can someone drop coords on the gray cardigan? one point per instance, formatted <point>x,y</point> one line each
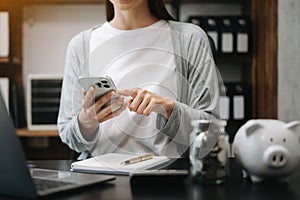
<point>197,87</point>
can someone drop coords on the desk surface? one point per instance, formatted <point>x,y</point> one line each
<point>234,188</point>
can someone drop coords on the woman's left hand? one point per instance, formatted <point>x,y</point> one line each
<point>144,102</point>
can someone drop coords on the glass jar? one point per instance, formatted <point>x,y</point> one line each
<point>209,151</point>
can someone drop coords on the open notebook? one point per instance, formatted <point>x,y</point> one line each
<point>111,164</point>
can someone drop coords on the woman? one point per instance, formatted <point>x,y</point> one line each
<point>164,72</point>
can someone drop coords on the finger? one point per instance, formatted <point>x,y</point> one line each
<point>91,112</point>
<point>150,107</point>
<point>101,101</point>
<point>113,114</point>
<point>156,106</point>
<point>143,105</point>
<point>109,109</point>
<point>116,103</point>
<point>128,100</point>
<point>138,96</point>
<point>90,94</point>
<point>88,99</point>
<point>136,101</point>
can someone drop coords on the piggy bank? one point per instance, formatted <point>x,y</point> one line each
<point>268,149</point>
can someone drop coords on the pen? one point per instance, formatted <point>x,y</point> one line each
<point>141,158</point>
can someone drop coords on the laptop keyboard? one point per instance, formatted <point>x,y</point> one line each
<point>42,185</point>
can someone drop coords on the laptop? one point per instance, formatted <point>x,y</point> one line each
<point>18,180</point>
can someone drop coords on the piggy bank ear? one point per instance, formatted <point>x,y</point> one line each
<point>251,127</point>
<point>294,126</point>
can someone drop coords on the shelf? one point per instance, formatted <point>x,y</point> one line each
<point>24,132</point>
<point>4,60</point>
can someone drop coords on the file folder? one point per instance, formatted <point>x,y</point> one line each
<point>239,106</point>
<point>227,35</point>
<point>243,34</point>
<point>230,33</point>
<point>212,29</point>
<point>224,104</point>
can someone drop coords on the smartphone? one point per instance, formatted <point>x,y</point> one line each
<point>102,85</point>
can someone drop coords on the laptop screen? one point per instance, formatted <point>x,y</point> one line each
<point>15,178</point>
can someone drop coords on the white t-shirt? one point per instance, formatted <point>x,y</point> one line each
<point>134,58</point>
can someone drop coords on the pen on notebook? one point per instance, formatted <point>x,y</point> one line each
<point>141,158</point>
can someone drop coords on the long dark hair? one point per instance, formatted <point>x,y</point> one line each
<point>156,7</point>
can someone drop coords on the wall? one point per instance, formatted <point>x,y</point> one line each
<point>48,28</point>
<point>289,60</point>
<point>47,31</point>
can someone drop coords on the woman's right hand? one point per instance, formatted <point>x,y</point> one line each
<point>93,113</point>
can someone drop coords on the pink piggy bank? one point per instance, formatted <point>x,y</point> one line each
<point>268,149</point>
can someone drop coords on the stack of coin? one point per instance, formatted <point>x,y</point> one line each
<point>215,163</point>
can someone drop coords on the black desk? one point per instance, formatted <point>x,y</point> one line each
<point>235,188</point>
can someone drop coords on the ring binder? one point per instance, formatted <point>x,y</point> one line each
<point>231,34</point>
<point>227,35</point>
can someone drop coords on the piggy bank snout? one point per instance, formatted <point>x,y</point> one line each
<point>276,156</point>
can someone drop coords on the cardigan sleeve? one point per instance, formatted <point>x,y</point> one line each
<point>71,95</point>
<point>197,83</point>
